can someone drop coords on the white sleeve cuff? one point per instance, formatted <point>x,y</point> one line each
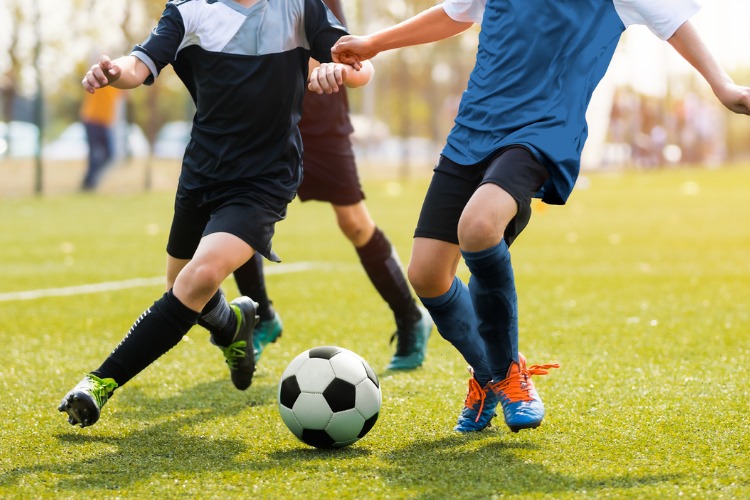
<point>466,11</point>
<point>662,17</point>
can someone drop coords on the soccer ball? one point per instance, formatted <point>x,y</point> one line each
<point>329,397</point>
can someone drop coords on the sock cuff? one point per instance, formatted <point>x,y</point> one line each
<point>213,303</point>
<point>487,257</point>
<point>215,314</point>
<point>500,249</point>
<point>440,301</point>
<point>177,313</point>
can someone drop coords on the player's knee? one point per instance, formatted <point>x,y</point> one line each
<point>202,278</point>
<point>478,233</point>
<point>352,228</point>
<point>426,282</point>
<point>355,222</point>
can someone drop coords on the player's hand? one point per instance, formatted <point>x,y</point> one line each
<point>353,50</point>
<point>736,98</point>
<point>328,78</point>
<point>101,74</point>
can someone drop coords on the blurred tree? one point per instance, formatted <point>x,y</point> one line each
<point>416,88</point>
<point>11,74</point>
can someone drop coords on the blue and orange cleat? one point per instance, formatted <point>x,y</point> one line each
<point>479,407</point>
<point>522,406</point>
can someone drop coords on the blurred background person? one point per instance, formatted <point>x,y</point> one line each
<point>98,115</point>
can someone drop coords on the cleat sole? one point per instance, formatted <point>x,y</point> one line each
<point>517,428</point>
<point>76,414</point>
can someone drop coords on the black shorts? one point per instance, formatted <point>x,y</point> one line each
<point>330,171</point>
<point>248,212</point>
<point>514,169</point>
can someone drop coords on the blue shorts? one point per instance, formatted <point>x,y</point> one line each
<point>515,169</point>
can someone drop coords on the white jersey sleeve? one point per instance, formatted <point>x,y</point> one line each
<point>468,11</point>
<point>662,17</point>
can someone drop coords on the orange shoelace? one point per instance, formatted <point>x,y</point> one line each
<point>476,396</point>
<point>518,386</point>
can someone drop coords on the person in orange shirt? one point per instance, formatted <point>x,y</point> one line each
<point>98,114</point>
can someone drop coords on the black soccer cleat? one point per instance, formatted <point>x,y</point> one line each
<point>240,355</point>
<point>84,402</point>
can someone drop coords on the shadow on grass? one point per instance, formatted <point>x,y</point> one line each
<point>192,433</point>
<point>307,453</point>
<point>491,463</point>
<point>158,447</point>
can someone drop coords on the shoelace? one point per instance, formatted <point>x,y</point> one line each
<point>102,389</point>
<point>518,386</point>
<point>234,353</point>
<point>475,396</point>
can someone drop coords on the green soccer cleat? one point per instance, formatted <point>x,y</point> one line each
<point>266,332</point>
<point>239,354</point>
<point>84,402</point>
<point>411,344</point>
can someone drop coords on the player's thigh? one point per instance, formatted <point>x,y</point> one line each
<point>174,266</point>
<point>517,172</point>
<point>216,257</point>
<point>450,189</point>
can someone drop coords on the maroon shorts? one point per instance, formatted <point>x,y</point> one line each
<point>330,171</point>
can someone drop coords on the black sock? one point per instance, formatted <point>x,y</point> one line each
<point>379,259</point>
<point>157,330</point>
<point>251,282</point>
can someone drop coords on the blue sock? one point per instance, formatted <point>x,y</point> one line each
<point>454,318</point>
<point>493,293</point>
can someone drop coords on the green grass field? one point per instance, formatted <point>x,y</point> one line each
<point>639,288</point>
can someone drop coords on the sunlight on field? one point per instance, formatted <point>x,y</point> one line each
<point>639,288</point>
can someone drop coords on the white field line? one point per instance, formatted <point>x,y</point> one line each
<point>108,286</point>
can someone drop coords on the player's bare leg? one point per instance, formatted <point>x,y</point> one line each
<point>382,265</point>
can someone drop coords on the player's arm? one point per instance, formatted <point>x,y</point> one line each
<point>689,45</point>
<point>327,78</point>
<point>126,72</point>
<point>429,26</point>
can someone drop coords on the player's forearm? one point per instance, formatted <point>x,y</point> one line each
<point>429,26</point>
<point>360,78</point>
<point>687,42</point>
<point>133,72</point>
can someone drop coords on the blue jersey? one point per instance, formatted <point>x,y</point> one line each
<point>246,70</point>
<point>537,65</point>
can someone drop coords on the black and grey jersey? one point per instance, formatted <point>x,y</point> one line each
<point>246,70</point>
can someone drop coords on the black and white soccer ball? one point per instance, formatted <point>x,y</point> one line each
<point>329,397</point>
